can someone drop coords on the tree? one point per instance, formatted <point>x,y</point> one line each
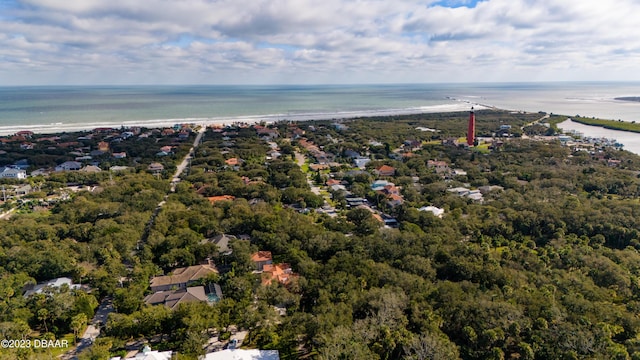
<point>78,322</point>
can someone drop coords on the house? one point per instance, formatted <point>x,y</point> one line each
<point>262,258</point>
<point>351,154</point>
<point>173,298</point>
<point>69,166</point>
<point>356,201</point>
<point>395,200</point>
<point>55,283</point>
<point>13,173</point>
<point>26,146</point>
<point>167,149</point>
<point>361,162</point>
<point>458,172</point>
<point>281,273</point>
<point>148,354</point>
<point>119,168</point>
<point>119,155</point>
<point>215,199</point>
<point>241,354</point>
<point>233,161</point>
<point>182,277</point>
<point>613,162</point>
<point>90,169</point>
<point>273,154</point>
<point>318,167</point>
<point>436,211</point>
<point>439,166</point>
<point>23,190</point>
<point>155,167</point>
<point>385,170</point>
<point>222,242</point>
<point>103,146</point>
<point>25,133</point>
<point>379,185</point>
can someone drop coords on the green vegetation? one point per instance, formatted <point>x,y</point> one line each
<point>609,124</point>
<point>546,267</point>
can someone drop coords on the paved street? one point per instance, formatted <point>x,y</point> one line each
<point>93,330</point>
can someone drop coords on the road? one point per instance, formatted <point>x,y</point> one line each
<point>93,330</point>
<point>7,214</point>
<point>525,136</point>
<point>183,165</point>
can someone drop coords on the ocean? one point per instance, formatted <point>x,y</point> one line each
<point>66,108</point>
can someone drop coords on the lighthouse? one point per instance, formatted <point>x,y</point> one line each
<point>471,132</point>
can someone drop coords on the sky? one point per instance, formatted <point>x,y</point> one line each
<point>57,42</point>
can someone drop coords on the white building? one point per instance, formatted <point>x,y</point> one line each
<point>55,283</point>
<point>436,211</point>
<point>238,354</point>
<point>13,173</point>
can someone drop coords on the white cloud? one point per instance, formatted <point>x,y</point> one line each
<point>305,40</point>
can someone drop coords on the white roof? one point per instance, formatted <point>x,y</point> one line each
<point>238,354</point>
<point>434,210</point>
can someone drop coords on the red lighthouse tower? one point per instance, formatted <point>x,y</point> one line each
<point>471,132</point>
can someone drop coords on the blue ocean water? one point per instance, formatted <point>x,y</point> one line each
<point>53,108</point>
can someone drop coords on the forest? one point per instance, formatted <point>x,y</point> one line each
<point>546,267</point>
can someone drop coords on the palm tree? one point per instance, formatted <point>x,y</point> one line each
<point>77,323</point>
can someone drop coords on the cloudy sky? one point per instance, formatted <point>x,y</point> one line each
<point>316,41</point>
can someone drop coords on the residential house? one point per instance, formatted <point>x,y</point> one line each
<point>440,167</point>
<point>90,169</point>
<point>233,161</point>
<point>148,354</point>
<point>167,149</point>
<point>55,283</point>
<point>69,166</point>
<point>215,199</point>
<point>26,146</point>
<point>361,162</point>
<point>262,258</point>
<point>180,278</point>
<point>379,185</point>
<point>241,354</point>
<point>155,167</point>
<point>436,211</point>
<point>119,155</point>
<point>222,242</point>
<point>281,273</point>
<point>13,173</point>
<point>119,168</point>
<point>103,146</point>
<point>394,200</point>
<point>25,133</point>
<point>23,190</point>
<point>173,298</point>
<point>385,170</point>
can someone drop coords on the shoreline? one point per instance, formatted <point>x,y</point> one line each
<point>53,128</point>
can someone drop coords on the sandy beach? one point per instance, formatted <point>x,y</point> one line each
<point>221,121</point>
